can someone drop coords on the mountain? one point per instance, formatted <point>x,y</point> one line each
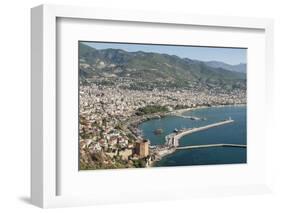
<point>149,70</point>
<point>236,68</point>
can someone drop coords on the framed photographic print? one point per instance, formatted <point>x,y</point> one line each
<point>149,106</point>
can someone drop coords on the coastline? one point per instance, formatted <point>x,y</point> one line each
<point>180,111</point>
<point>135,124</point>
<point>162,154</point>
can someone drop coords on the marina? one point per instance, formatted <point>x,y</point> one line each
<point>195,142</point>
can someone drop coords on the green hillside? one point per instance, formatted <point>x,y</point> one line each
<point>150,70</point>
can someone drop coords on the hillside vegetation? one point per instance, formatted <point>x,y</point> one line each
<point>137,70</point>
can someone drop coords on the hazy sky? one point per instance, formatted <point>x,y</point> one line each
<point>227,55</point>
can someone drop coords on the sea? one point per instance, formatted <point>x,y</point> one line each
<point>233,133</point>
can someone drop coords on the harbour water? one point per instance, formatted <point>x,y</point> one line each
<point>234,133</point>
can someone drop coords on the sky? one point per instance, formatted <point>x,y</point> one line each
<point>227,55</point>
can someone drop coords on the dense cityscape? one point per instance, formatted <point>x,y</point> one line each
<point>109,118</point>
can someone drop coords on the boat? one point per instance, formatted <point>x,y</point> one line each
<point>158,131</point>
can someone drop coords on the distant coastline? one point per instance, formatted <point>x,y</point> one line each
<point>203,107</point>
<point>178,111</point>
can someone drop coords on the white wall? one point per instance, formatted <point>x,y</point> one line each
<point>15,98</point>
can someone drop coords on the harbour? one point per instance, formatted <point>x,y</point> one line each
<point>197,142</point>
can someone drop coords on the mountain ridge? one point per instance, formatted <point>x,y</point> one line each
<point>154,68</point>
<point>241,67</point>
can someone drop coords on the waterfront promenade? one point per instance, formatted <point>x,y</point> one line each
<point>172,140</point>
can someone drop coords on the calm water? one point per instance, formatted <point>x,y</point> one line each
<point>234,133</point>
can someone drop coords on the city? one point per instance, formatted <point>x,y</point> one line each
<point>109,119</point>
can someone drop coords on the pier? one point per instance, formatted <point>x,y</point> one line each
<point>211,145</point>
<point>172,140</point>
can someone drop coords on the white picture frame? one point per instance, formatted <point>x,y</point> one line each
<point>44,154</point>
